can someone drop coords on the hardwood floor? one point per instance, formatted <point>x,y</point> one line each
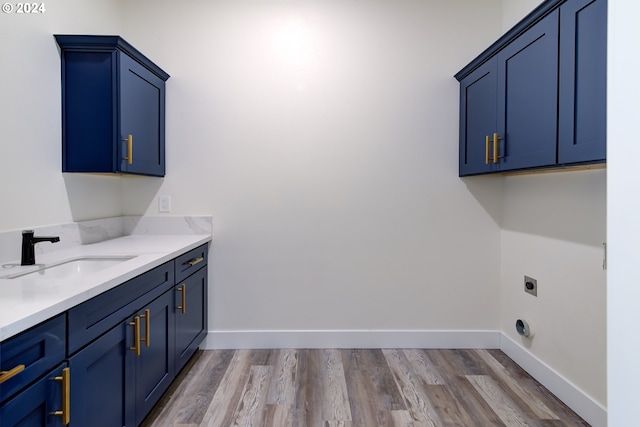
<point>357,387</point>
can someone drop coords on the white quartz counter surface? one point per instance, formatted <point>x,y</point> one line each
<point>29,300</point>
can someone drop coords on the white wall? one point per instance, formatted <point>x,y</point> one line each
<point>554,227</point>
<point>33,191</point>
<point>514,10</point>
<point>322,136</point>
<point>623,227</point>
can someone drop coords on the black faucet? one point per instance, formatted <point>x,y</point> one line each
<point>28,242</point>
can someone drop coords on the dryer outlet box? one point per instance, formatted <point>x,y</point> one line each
<point>531,286</point>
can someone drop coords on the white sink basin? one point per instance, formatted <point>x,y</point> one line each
<point>73,268</point>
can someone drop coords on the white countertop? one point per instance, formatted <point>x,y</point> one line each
<point>27,301</point>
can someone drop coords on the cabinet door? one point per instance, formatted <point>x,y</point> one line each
<point>35,406</point>
<point>155,366</point>
<point>142,104</point>
<point>191,316</point>
<point>102,381</point>
<point>583,70</point>
<point>478,118</point>
<point>528,97</point>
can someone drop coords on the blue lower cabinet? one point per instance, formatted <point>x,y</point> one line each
<point>96,316</point>
<point>118,378</point>
<point>154,366</point>
<point>102,382</point>
<point>30,355</point>
<point>39,405</point>
<point>114,355</point>
<point>191,316</point>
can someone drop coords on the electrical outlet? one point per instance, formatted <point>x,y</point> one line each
<point>164,204</point>
<point>531,286</point>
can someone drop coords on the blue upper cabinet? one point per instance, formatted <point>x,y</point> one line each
<point>113,107</point>
<point>536,97</point>
<point>583,81</point>
<point>528,98</point>
<point>478,119</point>
<point>508,105</point>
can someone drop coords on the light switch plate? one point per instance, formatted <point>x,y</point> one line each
<point>164,204</point>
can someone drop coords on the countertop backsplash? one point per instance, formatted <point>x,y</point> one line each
<point>167,225</point>
<point>98,230</point>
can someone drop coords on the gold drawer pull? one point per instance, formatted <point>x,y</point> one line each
<point>136,335</point>
<point>194,261</point>
<point>147,327</point>
<point>486,151</point>
<point>183,290</point>
<point>5,375</point>
<point>65,413</point>
<point>129,158</point>
<point>496,150</point>
<point>136,331</point>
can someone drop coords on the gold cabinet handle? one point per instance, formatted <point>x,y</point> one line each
<point>194,261</point>
<point>147,327</point>
<point>129,157</point>
<point>496,149</point>
<point>136,335</point>
<point>183,290</point>
<point>65,413</point>
<point>5,375</point>
<point>486,150</point>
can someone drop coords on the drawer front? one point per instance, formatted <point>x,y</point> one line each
<point>36,406</point>
<point>39,349</point>
<point>191,262</point>
<point>92,318</point>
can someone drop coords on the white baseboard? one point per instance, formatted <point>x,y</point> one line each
<point>594,413</point>
<point>351,339</point>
